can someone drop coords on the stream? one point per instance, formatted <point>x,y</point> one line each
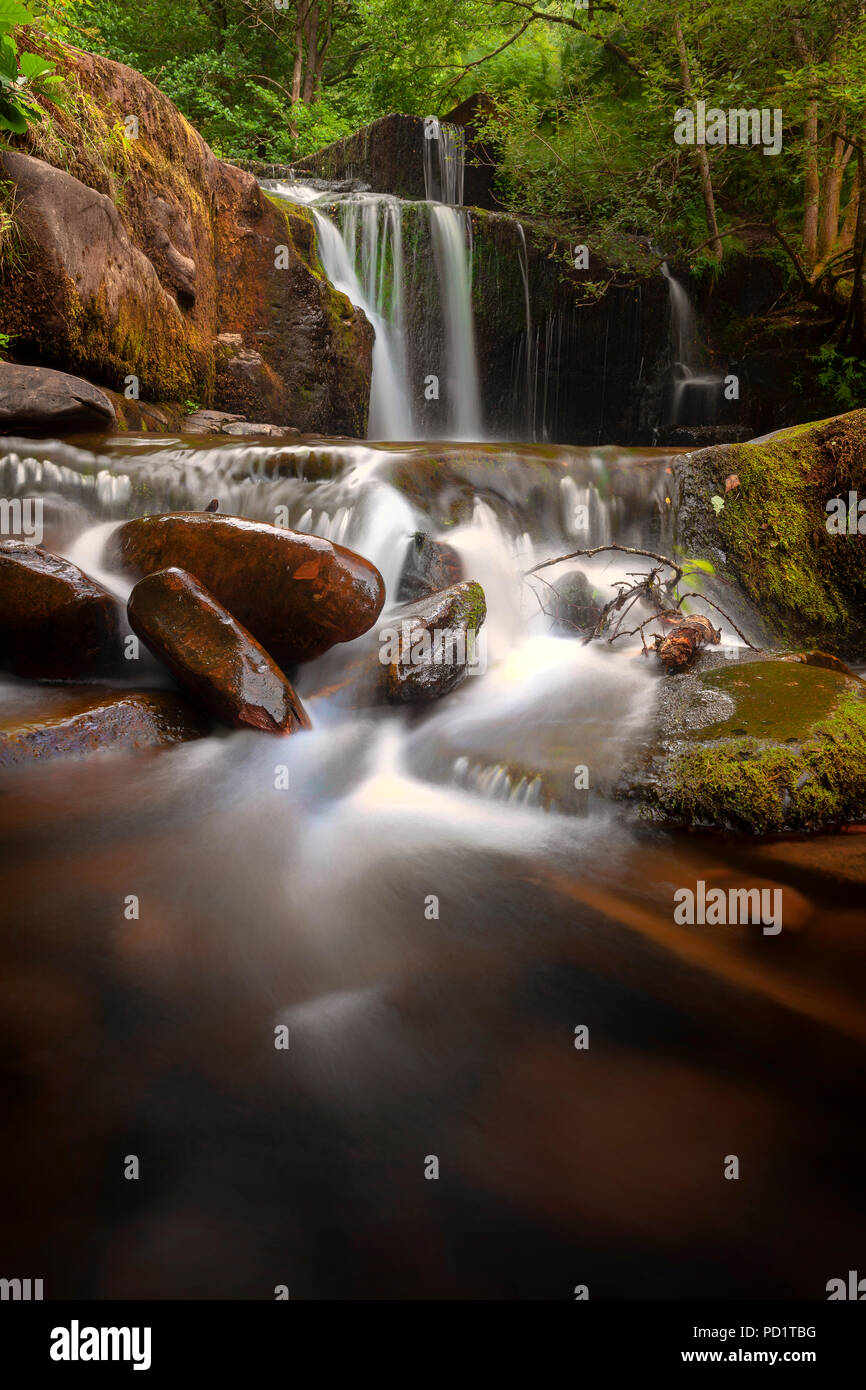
<point>435,911</point>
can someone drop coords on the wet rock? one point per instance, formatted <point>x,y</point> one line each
<point>297,595</point>
<point>55,623</point>
<point>62,521</point>
<point>249,427</point>
<point>772,540</point>
<point>212,656</point>
<point>761,746</point>
<point>421,653</point>
<point>572,602</point>
<point>89,721</point>
<point>41,402</point>
<point>244,381</point>
<point>430,567</point>
<point>208,421</point>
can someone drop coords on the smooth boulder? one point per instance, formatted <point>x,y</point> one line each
<point>212,655</point>
<point>55,623</point>
<point>90,721</point>
<point>297,595</point>
<point>38,401</point>
<point>423,652</point>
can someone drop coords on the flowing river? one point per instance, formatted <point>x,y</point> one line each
<point>436,912</point>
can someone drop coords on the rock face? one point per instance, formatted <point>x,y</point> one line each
<point>37,401</point>
<point>771,536</point>
<point>88,721</point>
<point>762,746</point>
<point>55,623</point>
<point>142,252</point>
<point>387,155</point>
<point>212,656</point>
<point>298,595</point>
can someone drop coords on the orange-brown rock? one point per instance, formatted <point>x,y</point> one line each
<point>55,623</point>
<point>86,721</point>
<point>212,656</point>
<point>297,595</point>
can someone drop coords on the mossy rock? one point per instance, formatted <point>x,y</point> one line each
<point>762,746</point>
<point>771,535</point>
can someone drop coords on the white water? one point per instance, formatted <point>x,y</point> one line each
<point>696,392</point>
<point>444,162</point>
<point>452,243</point>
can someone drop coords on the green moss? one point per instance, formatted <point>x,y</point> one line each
<point>748,784</point>
<point>808,583</point>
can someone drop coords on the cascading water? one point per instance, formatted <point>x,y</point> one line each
<point>696,392</point>
<point>444,161</point>
<point>452,244</point>
<point>361,245</point>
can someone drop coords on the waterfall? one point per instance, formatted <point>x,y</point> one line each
<point>452,230</point>
<point>443,165</point>
<point>360,240</point>
<point>523,260</point>
<point>695,391</point>
<point>390,408</point>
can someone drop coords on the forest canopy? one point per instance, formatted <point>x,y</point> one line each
<point>580,101</point>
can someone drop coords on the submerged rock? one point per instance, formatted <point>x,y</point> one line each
<point>572,601</point>
<point>38,401</point>
<point>55,623</point>
<point>210,654</point>
<point>297,595</point>
<point>90,721</point>
<point>430,567</point>
<point>762,746</point>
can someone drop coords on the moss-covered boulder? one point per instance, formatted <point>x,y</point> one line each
<point>771,535</point>
<point>760,746</point>
<point>136,250</point>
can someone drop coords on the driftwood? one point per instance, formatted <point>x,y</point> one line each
<point>683,634</point>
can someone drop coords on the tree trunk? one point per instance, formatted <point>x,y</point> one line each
<point>312,37</point>
<point>828,225</point>
<point>811,186</point>
<point>700,150</point>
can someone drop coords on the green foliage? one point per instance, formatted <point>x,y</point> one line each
<point>22,74</point>
<point>843,377</point>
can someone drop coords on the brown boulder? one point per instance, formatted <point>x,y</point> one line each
<point>54,621</point>
<point>297,595</point>
<point>212,656</point>
<point>423,651</point>
<point>92,721</point>
<point>38,401</point>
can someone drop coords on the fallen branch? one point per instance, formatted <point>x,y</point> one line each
<point>686,634</point>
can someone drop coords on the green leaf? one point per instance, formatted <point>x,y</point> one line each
<point>703,564</point>
<point>8,59</point>
<point>12,117</point>
<point>11,12</point>
<point>32,65</point>
<point>718,504</point>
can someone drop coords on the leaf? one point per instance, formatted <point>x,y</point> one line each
<point>718,504</point>
<point>731,481</point>
<point>12,117</point>
<point>702,564</point>
<point>8,58</point>
<point>32,65</point>
<point>12,12</point>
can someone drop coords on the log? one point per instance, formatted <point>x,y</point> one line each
<point>684,640</point>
